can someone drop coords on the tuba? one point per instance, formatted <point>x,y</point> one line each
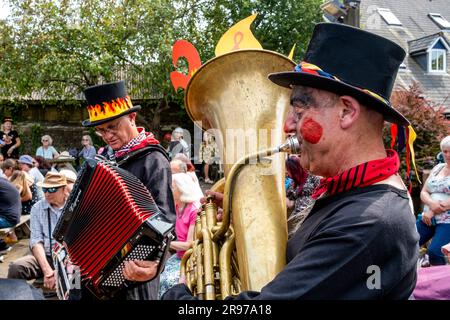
<point>232,96</point>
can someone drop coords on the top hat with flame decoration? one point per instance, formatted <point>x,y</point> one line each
<point>107,102</point>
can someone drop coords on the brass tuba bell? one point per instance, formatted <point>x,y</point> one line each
<point>232,95</point>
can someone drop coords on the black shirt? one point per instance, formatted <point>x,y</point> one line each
<point>13,135</point>
<point>10,204</point>
<point>341,246</point>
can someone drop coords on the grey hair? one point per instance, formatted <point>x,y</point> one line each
<point>445,143</point>
<point>181,165</point>
<point>50,140</point>
<point>177,130</point>
<point>89,138</point>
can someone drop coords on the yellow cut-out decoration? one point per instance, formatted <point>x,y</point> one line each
<point>238,37</point>
<point>412,137</point>
<point>291,54</point>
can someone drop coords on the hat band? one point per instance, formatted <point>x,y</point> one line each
<point>110,109</point>
<point>305,67</point>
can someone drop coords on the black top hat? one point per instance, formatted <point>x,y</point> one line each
<point>349,61</point>
<point>107,102</point>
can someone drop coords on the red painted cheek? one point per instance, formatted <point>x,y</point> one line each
<point>311,131</point>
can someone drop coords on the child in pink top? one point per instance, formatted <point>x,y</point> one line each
<point>187,203</point>
<point>185,218</point>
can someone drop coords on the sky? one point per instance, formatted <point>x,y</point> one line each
<point>4,10</point>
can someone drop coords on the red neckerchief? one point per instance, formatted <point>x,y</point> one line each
<point>141,141</point>
<point>362,175</point>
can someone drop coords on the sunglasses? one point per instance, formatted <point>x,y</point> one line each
<point>50,190</point>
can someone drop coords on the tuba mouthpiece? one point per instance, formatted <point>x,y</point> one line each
<point>291,145</point>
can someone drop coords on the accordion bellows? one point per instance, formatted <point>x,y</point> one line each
<point>110,217</point>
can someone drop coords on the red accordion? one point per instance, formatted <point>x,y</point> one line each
<point>110,217</point>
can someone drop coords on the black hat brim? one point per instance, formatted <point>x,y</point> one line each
<point>88,123</point>
<point>288,79</point>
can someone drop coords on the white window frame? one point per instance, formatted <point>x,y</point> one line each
<point>436,16</point>
<point>387,15</point>
<point>444,51</point>
<point>430,59</point>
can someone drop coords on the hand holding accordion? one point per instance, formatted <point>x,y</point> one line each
<point>112,230</point>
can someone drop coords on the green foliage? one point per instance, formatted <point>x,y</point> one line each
<point>52,50</point>
<point>278,26</point>
<point>36,135</point>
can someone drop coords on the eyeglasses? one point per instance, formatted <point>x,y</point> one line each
<point>110,129</point>
<point>84,139</point>
<point>50,190</point>
<point>44,140</point>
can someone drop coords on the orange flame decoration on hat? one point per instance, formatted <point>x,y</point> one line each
<point>109,109</point>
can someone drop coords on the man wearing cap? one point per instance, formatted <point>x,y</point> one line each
<point>359,240</point>
<point>26,165</point>
<point>113,115</point>
<point>43,219</point>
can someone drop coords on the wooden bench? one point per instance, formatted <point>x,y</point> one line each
<point>23,225</point>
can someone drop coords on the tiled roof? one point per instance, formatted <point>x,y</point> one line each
<point>422,44</point>
<point>417,32</point>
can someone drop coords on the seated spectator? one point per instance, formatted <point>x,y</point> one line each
<point>8,167</point>
<point>299,192</point>
<point>187,203</point>
<point>10,208</point>
<point>189,166</point>
<point>42,164</point>
<point>178,166</point>
<point>27,164</point>
<point>434,222</point>
<point>47,151</point>
<point>44,216</point>
<point>71,177</point>
<point>88,151</point>
<point>63,161</point>
<point>22,184</point>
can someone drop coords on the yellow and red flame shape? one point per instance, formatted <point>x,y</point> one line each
<point>109,109</point>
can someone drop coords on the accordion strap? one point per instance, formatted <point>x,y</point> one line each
<point>49,229</point>
<point>143,152</point>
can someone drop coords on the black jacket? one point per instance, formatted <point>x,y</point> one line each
<point>359,245</point>
<point>151,166</point>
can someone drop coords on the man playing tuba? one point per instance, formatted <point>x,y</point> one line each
<point>359,240</point>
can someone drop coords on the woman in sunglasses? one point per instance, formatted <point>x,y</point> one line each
<point>47,151</point>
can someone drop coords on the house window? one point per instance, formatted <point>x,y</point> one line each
<point>440,20</point>
<point>438,61</point>
<point>389,17</point>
